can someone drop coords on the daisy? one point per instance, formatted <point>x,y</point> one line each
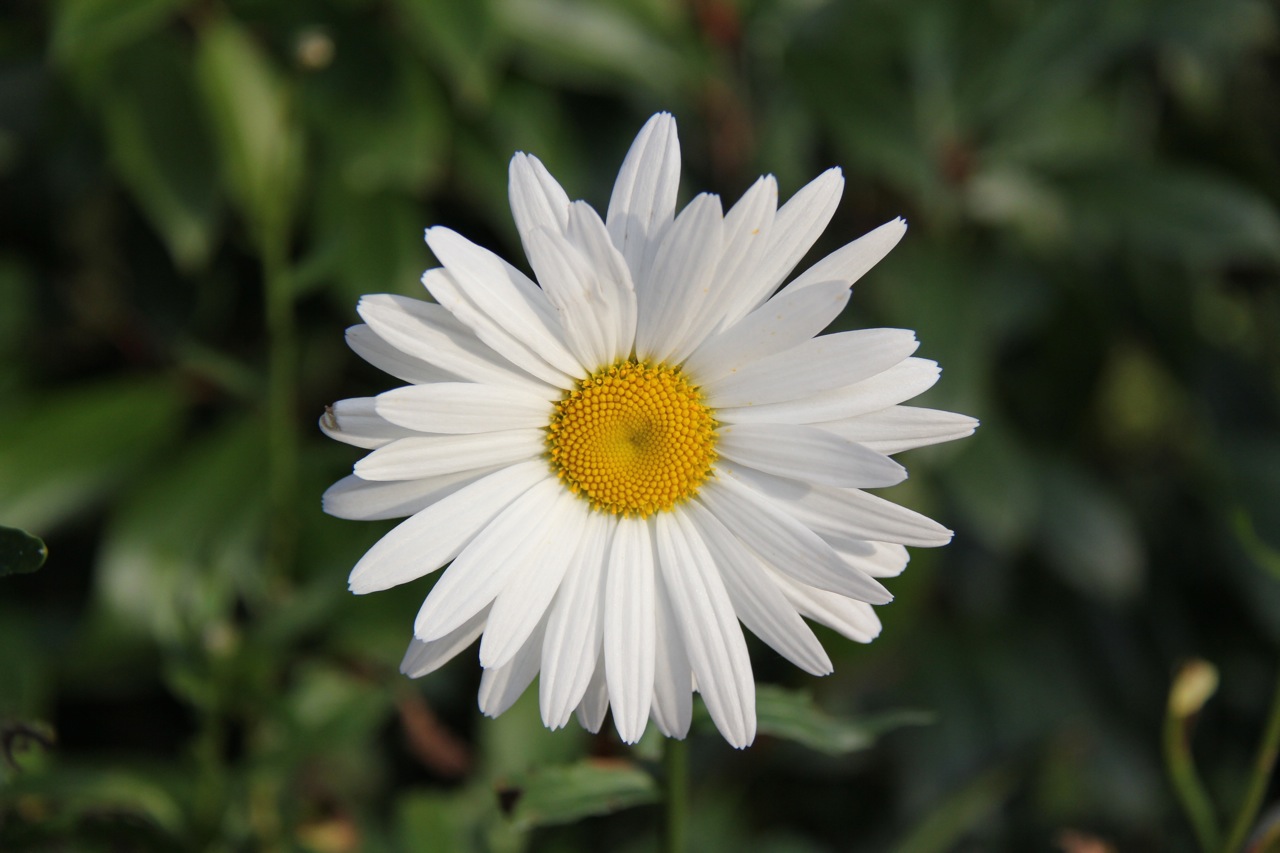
<point>622,461</point>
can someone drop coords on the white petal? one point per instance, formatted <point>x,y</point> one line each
<point>807,454</point>
<point>463,407</point>
<point>644,195</point>
<point>534,580</point>
<point>573,286</point>
<point>900,382</point>
<point>629,627</point>
<point>817,365</point>
<point>501,305</point>
<point>671,296</point>
<point>900,428</point>
<point>595,702</point>
<point>746,239</point>
<point>425,658</point>
<point>848,513</point>
<point>364,342</point>
<point>672,709</point>
<point>854,619</point>
<point>537,200</point>
<point>574,628</point>
<point>356,422</point>
<point>425,542</point>
<point>430,455</point>
<point>613,278</point>
<point>429,332</point>
<point>501,686</point>
<point>785,321</point>
<point>795,229</point>
<point>717,650</point>
<point>482,569</point>
<point>851,262</point>
<point>782,541</point>
<point>366,500</point>
<point>886,560</point>
<point>756,596</point>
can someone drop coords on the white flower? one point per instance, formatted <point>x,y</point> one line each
<point>622,461</point>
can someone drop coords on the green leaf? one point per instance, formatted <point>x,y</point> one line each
<point>262,152</point>
<point>61,453</point>
<point>87,30</point>
<point>20,552</point>
<point>792,715</point>
<point>552,795</point>
<point>184,543</point>
<point>161,147</point>
<point>460,40</point>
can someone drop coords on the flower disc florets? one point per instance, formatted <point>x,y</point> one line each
<point>633,439</point>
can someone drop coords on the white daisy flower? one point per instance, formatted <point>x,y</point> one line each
<point>622,461</point>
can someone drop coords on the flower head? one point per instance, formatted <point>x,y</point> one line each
<point>622,461</point>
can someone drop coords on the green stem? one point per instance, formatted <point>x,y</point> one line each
<point>282,440</point>
<point>1187,784</point>
<point>1264,763</point>
<point>675,762</point>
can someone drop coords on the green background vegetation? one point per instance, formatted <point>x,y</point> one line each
<point>194,193</point>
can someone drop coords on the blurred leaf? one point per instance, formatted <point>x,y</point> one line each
<point>460,40</point>
<point>792,715</point>
<point>179,549</point>
<point>76,793</point>
<point>20,552</point>
<point>1089,536</point>
<point>161,147</point>
<point>950,821</point>
<point>261,149</point>
<point>86,30</point>
<point>61,453</point>
<point>552,795</point>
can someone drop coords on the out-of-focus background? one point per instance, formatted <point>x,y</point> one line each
<point>194,193</point>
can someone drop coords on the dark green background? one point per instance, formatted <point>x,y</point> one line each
<point>1094,258</point>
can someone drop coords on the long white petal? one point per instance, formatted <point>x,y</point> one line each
<point>817,365</point>
<point>850,263</point>
<point>366,343</point>
<point>500,304</point>
<point>886,560</point>
<point>595,702</point>
<point>672,294</point>
<point>794,231</point>
<point>756,596</point>
<point>356,422</point>
<point>807,454</point>
<point>630,627</point>
<point>537,200</point>
<point>854,619</point>
<point>901,382</point>
<point>426,541</point>
<point>614,281</point>
<point>672,709</point>
<point>483,568</point>
<point>366,500</point>
<point>534,581</point>
<point>574,628</point>
<point>501,686</point>
<point>709,627</point>
<point>430,455</point>
<point>785,321</point>
<point>425,658</point>
<point>463,407</point>
<point>847,513</point>
<point>573,286</point>
<point>782,541</point>
<point>644,196</point>
<point>429,332</point>
<point>747,226</point>
<point>900,428</point>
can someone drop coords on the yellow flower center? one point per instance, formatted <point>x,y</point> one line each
<point>633,439</point>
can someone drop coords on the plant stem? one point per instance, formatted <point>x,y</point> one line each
<point>1264,763</point>
<point>1187,784</point>
<point>282,440</point>
<point>675,762</point>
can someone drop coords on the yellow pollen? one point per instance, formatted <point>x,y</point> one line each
<point>633,439</point>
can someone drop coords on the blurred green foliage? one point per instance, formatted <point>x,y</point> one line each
<point>1094,257</point>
